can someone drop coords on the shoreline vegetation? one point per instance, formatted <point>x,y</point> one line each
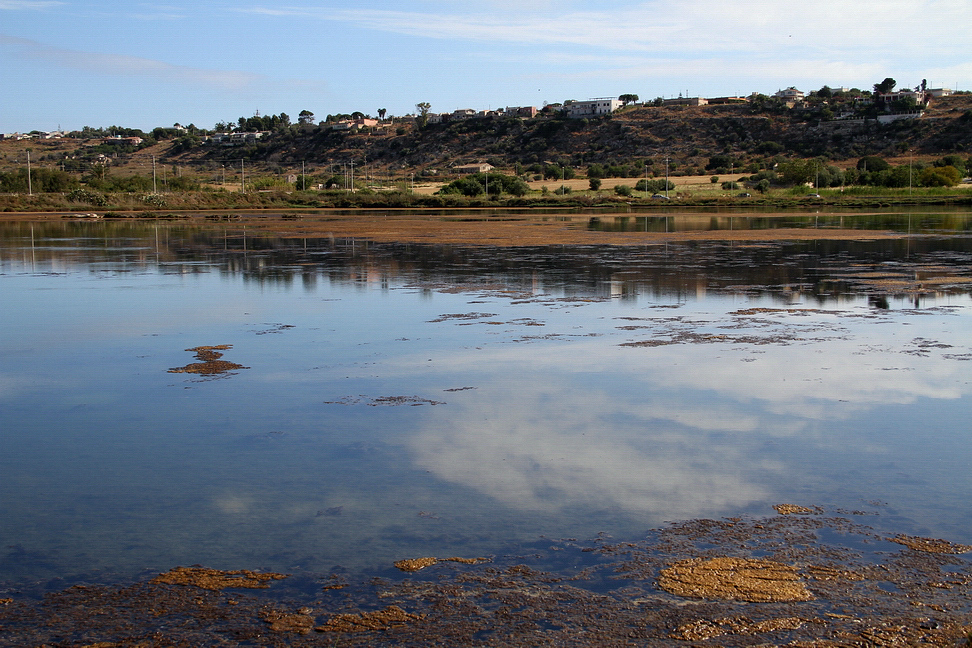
<point>134,205</point>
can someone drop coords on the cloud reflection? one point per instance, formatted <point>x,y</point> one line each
<point>678,431</point>
<point>549,449</point>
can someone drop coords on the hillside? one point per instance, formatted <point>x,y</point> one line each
<point>740,136</point>
<point>689,136</point>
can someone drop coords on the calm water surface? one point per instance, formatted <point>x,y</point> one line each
<point>400,401</point>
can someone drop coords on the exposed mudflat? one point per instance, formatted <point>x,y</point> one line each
<point>510,229</point>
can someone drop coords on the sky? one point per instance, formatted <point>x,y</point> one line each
<point>75,63</point>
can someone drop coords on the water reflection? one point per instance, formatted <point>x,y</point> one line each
<point>408,400</point>
<point>919,221</point>
<point>816,270</point>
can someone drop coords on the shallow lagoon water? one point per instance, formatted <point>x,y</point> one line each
<point>403,400</point>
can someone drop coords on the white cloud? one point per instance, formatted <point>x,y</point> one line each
<point>706,27</point>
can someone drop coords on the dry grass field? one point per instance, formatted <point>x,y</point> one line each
<point>696,186</point>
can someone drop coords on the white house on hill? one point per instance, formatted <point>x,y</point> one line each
<point>790,94</point>
<point>593,107</point>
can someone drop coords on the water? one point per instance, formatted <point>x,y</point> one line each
<point>401,400</point>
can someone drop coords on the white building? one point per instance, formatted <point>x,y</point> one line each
<point>790,94</point>
<point>592,107</point>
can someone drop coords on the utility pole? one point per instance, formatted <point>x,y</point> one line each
<point>646,181</point>
<point>30,188</point>
<point>910,165</point>
<point>242,177</point>
<point>155,188</point>
<point>352,176</point>
<point>303,175</point>
<point>666,177</point>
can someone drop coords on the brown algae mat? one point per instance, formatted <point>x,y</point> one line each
<point>209,361</point>
<point>727,582</point>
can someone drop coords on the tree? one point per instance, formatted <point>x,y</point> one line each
<point>797,171</point>
<point>628,98</point>
<point>872,163</point>
<point>595,183</point>
<point>953,161</point>
<point>423,111</point>
<point>947,176</point>
<point>305,117</point>
<point>885,87</point>
<point>381,114</point>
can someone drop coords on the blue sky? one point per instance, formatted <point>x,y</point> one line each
<point>74,63</point>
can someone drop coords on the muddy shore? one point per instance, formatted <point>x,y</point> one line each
<point>510,229</point>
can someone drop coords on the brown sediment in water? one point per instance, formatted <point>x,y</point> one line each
<point>210,363</point>
<point>931,545</point>
<point>794,509</point>
<point>390,617</point>
<point>777,583</point>
<point>415,564</point>
<point>215,579</point>
<point>300,622</point>
<point>734,579</point>
<point>703,629</point>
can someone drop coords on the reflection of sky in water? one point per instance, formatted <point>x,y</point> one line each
<point>549,423</point>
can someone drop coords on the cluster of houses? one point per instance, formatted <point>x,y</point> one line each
<point>469,113</point>
<point>921,96</point>
<point>236,139</point>
<point>33,135</point>
<point>118,140</point>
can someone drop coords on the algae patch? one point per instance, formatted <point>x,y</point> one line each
<point>215,579</point>
<point>930,545</point>
<point>390,617</point>
<point>794,509</point>
<point>415,564</point>
<point>209,361</point>
<point>734,579</point>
